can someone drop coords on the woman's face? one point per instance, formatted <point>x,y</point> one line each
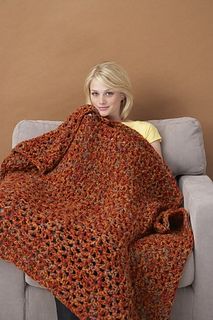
<point>106,100</point>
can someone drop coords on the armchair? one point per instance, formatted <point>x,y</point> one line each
<point>183,150</point>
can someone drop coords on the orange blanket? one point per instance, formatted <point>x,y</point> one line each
<point>91,212</point>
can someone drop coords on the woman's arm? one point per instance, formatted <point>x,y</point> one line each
<point>156,145</point>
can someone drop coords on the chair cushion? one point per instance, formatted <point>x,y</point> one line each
<point>188,272</point>
<point>32,282</point>
<point>182,145</point>
<point>27,129</point>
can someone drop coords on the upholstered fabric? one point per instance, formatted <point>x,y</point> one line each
<point>182,146</point>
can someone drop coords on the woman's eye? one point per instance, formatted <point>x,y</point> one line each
<point>94,93</point>
<point>109,93</point>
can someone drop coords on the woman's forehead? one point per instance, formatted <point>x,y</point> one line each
<point>98,85</point>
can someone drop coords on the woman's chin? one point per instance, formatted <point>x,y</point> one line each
<point>104,114</point>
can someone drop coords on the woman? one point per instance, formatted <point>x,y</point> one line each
<point>108,88</point>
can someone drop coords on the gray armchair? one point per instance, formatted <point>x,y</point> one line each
<point>21,298</point>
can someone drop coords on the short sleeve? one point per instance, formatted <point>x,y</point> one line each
<point>146,129</point>
<point>152,133</point>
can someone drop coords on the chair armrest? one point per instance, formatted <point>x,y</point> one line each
<point>12,292</point>
<point>198,200</point>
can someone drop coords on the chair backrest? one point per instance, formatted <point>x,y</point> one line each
<point>182,141</point>
<point>182,145</point>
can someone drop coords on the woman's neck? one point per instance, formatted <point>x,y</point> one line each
<point>115,118</point>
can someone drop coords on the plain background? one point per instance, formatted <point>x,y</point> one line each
<point>48,46</point>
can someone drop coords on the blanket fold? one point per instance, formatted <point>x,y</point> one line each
<point>91,212</point>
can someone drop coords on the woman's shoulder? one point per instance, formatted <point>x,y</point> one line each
<point>138,124</point>
<point>145,128</point>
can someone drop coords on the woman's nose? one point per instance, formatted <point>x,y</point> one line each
<point>102,99</point>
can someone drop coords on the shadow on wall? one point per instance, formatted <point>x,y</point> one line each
<point>208,132</point>
<point>155,98</point>
<point>157,106</point>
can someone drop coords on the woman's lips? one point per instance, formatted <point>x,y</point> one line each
<point>103,108</point>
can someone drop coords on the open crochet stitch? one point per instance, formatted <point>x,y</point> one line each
<point>91,212</point>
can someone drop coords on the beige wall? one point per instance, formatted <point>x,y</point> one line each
<point>47,47</point>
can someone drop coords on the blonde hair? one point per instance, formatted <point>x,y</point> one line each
<point>115,77</point>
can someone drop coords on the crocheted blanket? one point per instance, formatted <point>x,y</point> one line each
<point>92,213</point>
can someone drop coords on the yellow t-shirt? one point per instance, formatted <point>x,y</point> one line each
<point>146,129</point>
